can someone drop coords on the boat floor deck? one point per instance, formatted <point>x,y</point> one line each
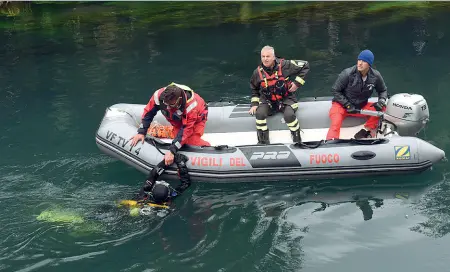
<point>276,136</point>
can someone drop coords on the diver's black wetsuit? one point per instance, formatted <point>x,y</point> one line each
<point>185,180</point>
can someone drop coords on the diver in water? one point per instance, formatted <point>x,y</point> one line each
<point>160,192</point>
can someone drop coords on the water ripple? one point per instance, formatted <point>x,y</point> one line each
<point>36,265</point>
<point>52,85</point>
<point>82,256</point>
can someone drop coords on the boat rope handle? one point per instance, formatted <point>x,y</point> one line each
<point>153,142</point>
<point>310,146</point>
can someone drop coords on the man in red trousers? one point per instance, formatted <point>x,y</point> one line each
<point>351,92</point>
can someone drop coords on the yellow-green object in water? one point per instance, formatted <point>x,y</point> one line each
<point>129,203</point>
<point>134,204</point>
<point>60,216</point>
<point>134,211</point>
<point>402,195</point>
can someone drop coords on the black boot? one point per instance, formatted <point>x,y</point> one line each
<point>296,138</point>
<point>263,136</point>
<point>362,134</point>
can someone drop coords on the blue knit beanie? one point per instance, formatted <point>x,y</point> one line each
<point>366,56</point>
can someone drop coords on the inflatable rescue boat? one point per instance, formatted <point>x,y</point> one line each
<point>236,156</point>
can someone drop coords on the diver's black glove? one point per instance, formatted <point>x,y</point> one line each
<point>350,108</point>
<point>379,105</point>
<point>145,189</point>
<point>148,186</point>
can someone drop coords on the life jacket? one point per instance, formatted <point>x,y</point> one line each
<point>276,86</point>
<point>160,131</point>
<point>178,117</point>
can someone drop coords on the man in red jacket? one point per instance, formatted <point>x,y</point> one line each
<point>185,110</point>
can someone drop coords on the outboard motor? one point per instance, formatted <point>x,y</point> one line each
<point>407,113</point>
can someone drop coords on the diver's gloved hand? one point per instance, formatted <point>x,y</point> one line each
<point>147,188</point>
<point>148,185</point>
<point>379,105</point>
<point>350,108</point>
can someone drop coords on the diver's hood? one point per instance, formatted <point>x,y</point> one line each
<point>160,192</point>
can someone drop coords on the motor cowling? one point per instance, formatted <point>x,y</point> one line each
<point>408,113</point>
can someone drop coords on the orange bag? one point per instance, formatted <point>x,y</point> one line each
<point>160,131</point>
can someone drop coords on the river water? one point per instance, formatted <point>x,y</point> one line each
<point>56,81</point>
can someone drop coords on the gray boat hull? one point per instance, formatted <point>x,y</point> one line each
<point>282,160</point>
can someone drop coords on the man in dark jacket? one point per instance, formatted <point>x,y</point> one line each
<point>273,85</point>
<point>351,92</point>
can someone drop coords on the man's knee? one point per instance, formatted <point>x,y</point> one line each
<point>337,114</point>
<point>262,111</point>
<point>200,128</point>
<point>337,119</point>
<point>336,108</point>
<point>289,114</point>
